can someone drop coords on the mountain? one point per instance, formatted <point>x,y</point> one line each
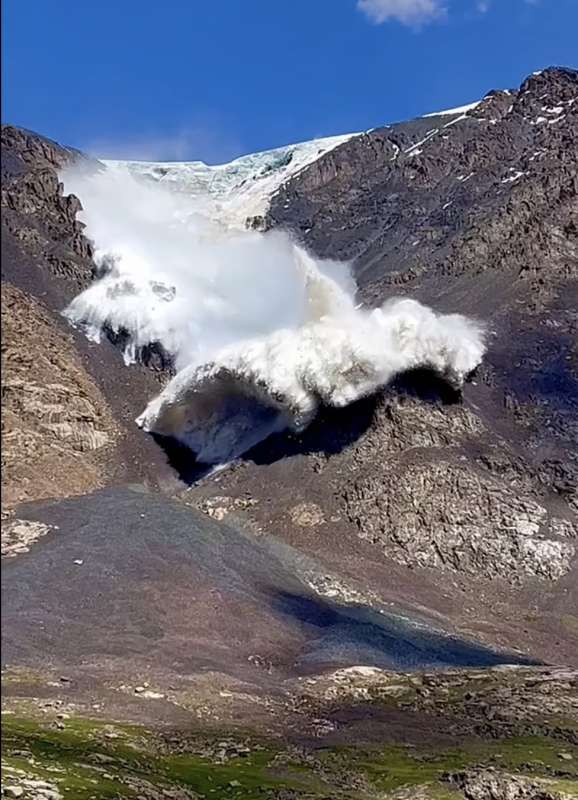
<point>371,604</point>
<point>474,212</point>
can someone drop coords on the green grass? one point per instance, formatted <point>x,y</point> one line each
<point>25,676</point>
<point>85,765</point>
<point>391,767</point>
<point>570,787</point>
<point>135,758</point>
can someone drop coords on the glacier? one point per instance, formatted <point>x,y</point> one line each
<point>239,189</point>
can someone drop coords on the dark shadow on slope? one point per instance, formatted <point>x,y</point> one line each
<point>138,578</point>
<point>335,429</point>
<point>427,386</point>
<point>360,635</point>
<point>182,460</point>
<point>543,362</point>
<point>331,432</point>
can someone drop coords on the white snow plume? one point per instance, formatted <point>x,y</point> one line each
<point>175,274</point>
<point>262,334</point>
<point>252,388</point>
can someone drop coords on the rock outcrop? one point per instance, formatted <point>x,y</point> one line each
<point>67,426</point>
<point>56,423</point>
<point>44,249</point>
<point>487,784</point>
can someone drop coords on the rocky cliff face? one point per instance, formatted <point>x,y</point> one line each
<point>43,243</point>
<point>68,405</point>
<point>56,423</point>
<point>444,196</point>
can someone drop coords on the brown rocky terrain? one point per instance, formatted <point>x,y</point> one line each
<point>56,422</point>
<point>67,425</point>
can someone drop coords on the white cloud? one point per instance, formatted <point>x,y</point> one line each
<point>409,12</point>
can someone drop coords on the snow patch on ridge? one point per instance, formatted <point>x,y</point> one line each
<point>458,110</point>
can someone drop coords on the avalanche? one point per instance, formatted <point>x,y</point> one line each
<point>261,333</point>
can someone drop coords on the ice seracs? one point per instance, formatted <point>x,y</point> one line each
<point>241,188</point>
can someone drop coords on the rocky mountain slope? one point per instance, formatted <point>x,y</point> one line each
<point>78,435</point>
<point>474,212</point>
<point>308,590</point>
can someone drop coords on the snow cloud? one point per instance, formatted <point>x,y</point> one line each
<point>202,141</point>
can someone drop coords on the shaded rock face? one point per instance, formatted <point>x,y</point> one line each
<point>43,245</point>
<point>449,195</point>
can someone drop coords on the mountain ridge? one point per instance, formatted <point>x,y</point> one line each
<point>501,444</point>
<point>372,608</point>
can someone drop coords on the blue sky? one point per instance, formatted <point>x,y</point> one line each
<point>188,79</point>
